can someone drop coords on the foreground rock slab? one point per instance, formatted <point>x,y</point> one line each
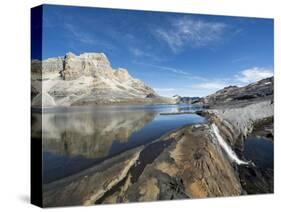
<point>91,184</point>
<point>192,166</point>
<point>187,163</point>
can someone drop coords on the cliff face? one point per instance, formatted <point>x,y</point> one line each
<point>86,79</point>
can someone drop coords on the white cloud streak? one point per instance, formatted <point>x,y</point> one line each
<point>253,74</point>
<point>140,53</point>
<point>85,38</point>
<point>82,37</point>
<point>176,71</point>
<point>188,32</point>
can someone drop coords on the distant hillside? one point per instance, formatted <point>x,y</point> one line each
<point>232,95</point>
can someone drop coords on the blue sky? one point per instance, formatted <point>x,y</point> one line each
<point>174,53</point>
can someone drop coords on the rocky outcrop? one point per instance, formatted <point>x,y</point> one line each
<point>188,163</point>
<point>238,113</point>
<point>90,184</point>
<point>87,64</point>
<point>192,166</point>
<point>87,79</point>
<point>236,123</point>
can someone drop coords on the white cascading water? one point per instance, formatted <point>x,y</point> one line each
<point>231,154</point>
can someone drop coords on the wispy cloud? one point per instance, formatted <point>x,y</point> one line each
<point>190,32</point>
<point>175,71</point>
<point>137,52</point>
<point>80,36</point>
<point>85,38</point>
<point>253,74</point>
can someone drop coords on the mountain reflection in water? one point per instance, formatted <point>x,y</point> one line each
<point>75,138</point>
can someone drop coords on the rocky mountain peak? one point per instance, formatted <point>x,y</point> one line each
<point>86,64</point>
<point>88,78</point>
<point>69,55</point>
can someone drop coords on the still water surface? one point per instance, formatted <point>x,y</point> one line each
<point>78,137</point>
<point>260,151</point>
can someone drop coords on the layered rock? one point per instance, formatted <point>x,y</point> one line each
<point>87,64</point>
<point>238,122</point>
<point>90,184</point>
<point>87,79</point>
<point>192,166</point>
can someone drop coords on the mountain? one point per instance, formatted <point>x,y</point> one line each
<point>234,95</point>
<point>85,80</point>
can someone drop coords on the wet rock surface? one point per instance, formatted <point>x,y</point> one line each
<point>91,184</point>
<point>256,180</point>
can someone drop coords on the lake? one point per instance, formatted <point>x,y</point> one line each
<point>260,151</point>
<point>76,138</point>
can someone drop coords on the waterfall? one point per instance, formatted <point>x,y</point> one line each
<point>231,154</point>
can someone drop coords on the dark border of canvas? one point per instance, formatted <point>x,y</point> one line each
<point>36,143</point>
